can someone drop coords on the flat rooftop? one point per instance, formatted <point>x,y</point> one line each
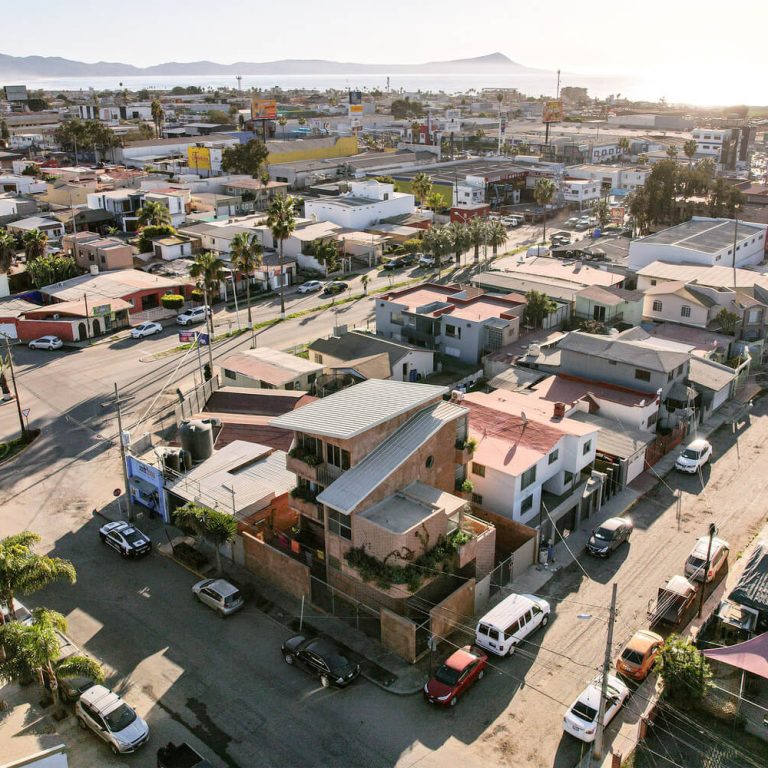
<point>707,235</point>
<point>398,513</point>
<point>449,173</point>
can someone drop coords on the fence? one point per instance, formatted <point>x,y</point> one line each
<point>467,380</point>
<point>664,444</point>
<point>343,606</point>
<point>195,401</point>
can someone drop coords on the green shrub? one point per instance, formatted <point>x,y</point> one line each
<point>172,301</point>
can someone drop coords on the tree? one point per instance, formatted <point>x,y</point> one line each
<point>385,180</point>
<point>624,145</point>
<point>158,115</point>
<point>435,201</point>
<point>208,270</point>
<point>70,134</point>
<point>282,121</point>
<point>7,250</point>
<point>220,116</point>
<point>216,528</point>
<point>154,213</point>
<point>728,321</point>
<point>438,243</point>
<point>245,158</point>
<point>422,186</point>
<point>281,219</point>
<point>412,245</point>
<point>671,151</point>
<point>365,279</point>
<point>405,108</point>
<point>684,670</point>
<point>538,306</point>
<point>478,232</point>
<point>326,251</point>
<point>35,243</point>
<point>247,258</point>
<point>543,193</point>
<point>150,232</point>
<point>497,235</point>
<point>23,571</point>
<point>460,239</point>
<point>602,212</point>
<point>689,148</point>
<point>5,134</point>
<point>52,268</point>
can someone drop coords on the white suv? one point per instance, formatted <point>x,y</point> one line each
<point>195,315</point>
<point>111,719</point>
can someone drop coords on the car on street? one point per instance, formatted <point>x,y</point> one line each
<point>560,238</point>
<point>23,614</point>
<point>311,286</point>
<point>697,560</point>
<point>409,258</point>
<point>580,720</point>
<point>146,329</point>
<point>322,658</point>
<point>638,656</point>
<point>425,260</point>
<point>396,263</point>
<point>572,222</point>
<point>46,342</point>
<point>610,535</point>
<point>335,287</point>
<point>125,538</point>
<point>194,315</point>
<point>219,594</point>
<point>455,675</point>
<point>694,456</point>
<point>111,719</point>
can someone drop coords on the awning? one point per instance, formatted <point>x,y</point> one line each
<point>751,655</point>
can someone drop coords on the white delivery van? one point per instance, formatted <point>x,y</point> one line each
<point>510,622</point>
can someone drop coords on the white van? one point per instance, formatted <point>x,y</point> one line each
<point>510,622</point>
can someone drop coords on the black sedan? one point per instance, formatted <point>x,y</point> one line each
<point>609,536</point>
<point>321,658</point>
<point>337,286</point>
<point>125,539</point>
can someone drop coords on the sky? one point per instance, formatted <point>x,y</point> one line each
<point>706,43</point>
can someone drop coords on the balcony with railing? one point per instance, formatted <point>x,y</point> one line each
<point>311,467</point>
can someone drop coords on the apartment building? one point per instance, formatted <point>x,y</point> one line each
<point>123,204</point>
<point>91,250</point>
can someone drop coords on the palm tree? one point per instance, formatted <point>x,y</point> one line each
<point>421,186</point>
<point>689,148</point>
<point>208,271</point>
<point>538,306</point>
<point>246,259</point>
<point>671,151</point>
<point>35,243</point>
<point>154,214</point>
<point>477,231</point>
<point>543,193</point>
<point>434,201</point>
<point>281,219</point>
<point>7,250</point>
<point>23,571</point>
<point>34,650</point>
<point>438,242</point>
<point>217,528</point>
<point>460,240</point>
<point>158,114</point>
<point>497,235</point>
<point>623,145</point>
<point>282,121</point>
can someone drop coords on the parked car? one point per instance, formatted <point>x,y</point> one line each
<point>409,258</point>
<point>146,329</point>
<point>111,719</point>
<point>572,222</point>
<point>23,614</point>
<point>219,594</point>
<point>581,226</point>
<point>581,719</point>
<point>335,287</point>
<point>425,260</point>
<point>126,539</point>
<point>609,536</point>
<point>322,658</point>
<point>180,756</point>
<point>694,456</point>
<point>673,602</point>
<point>311,286</point>
<point>455,675</point>
<point>46,342</point>
<point>697,560</point>
<point>396,263</point>
<point>638,656</point>
<point>194,315</point>
<point>507,624</point>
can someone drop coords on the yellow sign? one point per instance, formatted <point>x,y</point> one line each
<point>355,109</point>
<point>553,111</point>
<point>263,109</point>
<point>199,158</point>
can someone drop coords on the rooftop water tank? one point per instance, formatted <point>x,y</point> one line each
<point>197,438</point>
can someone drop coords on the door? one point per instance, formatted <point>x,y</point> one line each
<point>115,541</point>
<point>209,597</point>
<point>96,328</point>
<point>598,313</point>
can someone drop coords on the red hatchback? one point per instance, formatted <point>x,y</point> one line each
<point>455,675</point>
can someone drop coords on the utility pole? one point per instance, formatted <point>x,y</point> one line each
<point>128,499</point>
<point>15,391</point>
<point>597,751</point>
<point>735,238</point>
<point>712,532</point>
<point>209,325</point>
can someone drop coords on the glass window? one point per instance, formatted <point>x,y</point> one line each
<point>477,498</point>
<point>527,504</point>
<point>642,375</point>
<point>478,469</point>
<point>337,456</point>
<point>339,524</point>
<point>452,330</point>
<point>528,477</point>
<point>587,447</point>
<point>685,311</point>
<point>657,306</point>
<point>553,456</point>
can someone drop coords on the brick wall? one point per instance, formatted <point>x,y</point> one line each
<point>399,635</point>
<point>510,535</point>
<point>347,580</point>
<point>457,609</point>
<point>276,568</point>
<point>66,330</point>
<point>380,542</point>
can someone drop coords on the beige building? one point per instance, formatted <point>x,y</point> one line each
<point>91,250</point>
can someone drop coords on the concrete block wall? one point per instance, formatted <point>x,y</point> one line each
<point>380,542</point>
<point>457,609</point>
<point>399,635</point>
<point>275,567</point>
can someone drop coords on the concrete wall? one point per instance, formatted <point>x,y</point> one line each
<point>381,543</point>
<point>311,149</point>
<point>275,567</point>
<point>671,310</point>
<point>398,634</point>
<point>457,609</point>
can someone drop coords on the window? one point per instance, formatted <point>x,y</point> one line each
<point>478,469</point>
<point>657,306</point>
<point>318,358</point>
<point>396,318</point>
<point>477,498</point>
<point>337,456</point>
<point>652,419</point>
<point>526,505</point>
<point>642,375</point>
<point>528,477</point>
<point>567,477</point>
<point>553,456</point>
<point>229,374</point>
<point>339,524</point>
<point>653,282</point>
<point>587,448</point>
<point>452,330</point>
<point>685,311</point>
<point>429,462</point>
<point>612,362</point>
<point>670,375</point>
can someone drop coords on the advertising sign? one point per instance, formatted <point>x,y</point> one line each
<point>16,93</point>
<point>102,309</point>
<point>553,111</point>
<point>263,109</point>
<point>617,215</point>
<point>355,109</point>
<point>187,337</point>
<point>355,97</point>
<point>202,339</point>
<point>145,484</point>
<point>199,158</point>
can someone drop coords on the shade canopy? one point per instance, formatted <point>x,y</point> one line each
<point>751,655</point>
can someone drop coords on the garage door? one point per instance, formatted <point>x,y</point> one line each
<point>9,330</point>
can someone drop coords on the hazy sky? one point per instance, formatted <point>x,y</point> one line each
<point>703,38</point>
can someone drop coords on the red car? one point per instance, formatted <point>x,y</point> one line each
<point>455,675</point>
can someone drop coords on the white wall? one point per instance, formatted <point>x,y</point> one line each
<point>671,306</point>
<point>359,216</point>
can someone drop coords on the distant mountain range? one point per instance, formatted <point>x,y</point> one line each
<point>20,67</point>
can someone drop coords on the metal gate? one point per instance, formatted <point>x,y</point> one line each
<point>501,575</point>
<point>341,605</point>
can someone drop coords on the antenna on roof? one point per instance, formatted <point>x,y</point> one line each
<point>523,417</point>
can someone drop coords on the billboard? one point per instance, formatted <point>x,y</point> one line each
<point>101,310</point>
<point>553,111</point>
<point>263,109</point>
<point>199,158</point>
<point>355,109</point>
<point>16,93</point>
<point>617,215</point>
<point>355,97</point>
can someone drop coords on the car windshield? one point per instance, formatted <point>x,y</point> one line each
<point>633,657</point>
<point>447,675</point>
<point>696,562</point>
<point>604,534</point>
<point>689,453</point>
<point>120,718</point>
<point>584,712</point>
<point>132,535</point>
<point>232,599</point>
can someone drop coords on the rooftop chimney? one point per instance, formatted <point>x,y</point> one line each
<point>559,410</point>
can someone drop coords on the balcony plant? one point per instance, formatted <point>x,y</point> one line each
<point>467,445</point>
<point>304,492</point>
<point>302,454</point>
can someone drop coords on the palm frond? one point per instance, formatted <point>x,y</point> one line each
<point>79,666</point>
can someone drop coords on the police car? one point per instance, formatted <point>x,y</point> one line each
<point>125,539</point>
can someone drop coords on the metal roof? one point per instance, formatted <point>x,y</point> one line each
<point>706,235</point>
<point>614,437</point>
<point>359,482</point>
<point>355,345</point>
<point>352,411</point>
<point>752,588</point>
<point>710,375</point>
